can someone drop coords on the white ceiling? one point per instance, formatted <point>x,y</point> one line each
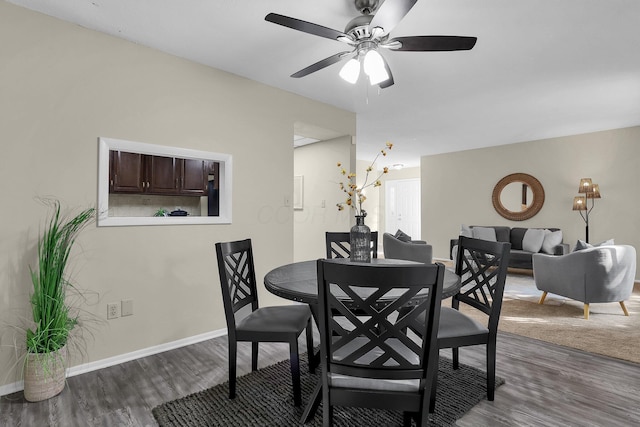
<point>540,68</point>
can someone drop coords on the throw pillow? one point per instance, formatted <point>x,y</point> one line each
<point>465,231</point>
<point>581,244</point>
<point>484,233</point>
<point>532,240</point>
<point>402,236</point>
<point>551,240</point>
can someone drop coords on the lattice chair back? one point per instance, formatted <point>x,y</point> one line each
<point>379,342</point>
<point>338,244</point>
<point>482,267</point>
<point>237,277</point>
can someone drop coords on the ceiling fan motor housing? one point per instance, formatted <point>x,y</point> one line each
<point>358,27</point>
<point>366,7</point>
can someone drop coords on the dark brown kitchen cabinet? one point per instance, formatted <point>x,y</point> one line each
<point>126,172</point>
<point>136,173</point>
<point>193,177</point>
<point>162,175</point>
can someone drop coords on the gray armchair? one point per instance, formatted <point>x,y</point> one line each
<point>593,275</point>
<point>413,250</point>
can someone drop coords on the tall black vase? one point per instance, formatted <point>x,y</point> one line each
<point>360,241</point>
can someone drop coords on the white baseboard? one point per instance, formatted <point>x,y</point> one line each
<point>122,358</point>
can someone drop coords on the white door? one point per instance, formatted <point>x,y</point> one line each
<point>402,207</point>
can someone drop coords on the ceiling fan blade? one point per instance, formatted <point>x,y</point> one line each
<point>391,13</point>
<point>432,43</point>
<point>304,26</point>
<point>320,65</point>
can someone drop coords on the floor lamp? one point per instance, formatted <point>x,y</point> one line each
<point>580,203</point>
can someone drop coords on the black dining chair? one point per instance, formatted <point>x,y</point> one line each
<point>482,267</point>
<point>261,324</point>
<point>338,244</point>
<point>378,362</point>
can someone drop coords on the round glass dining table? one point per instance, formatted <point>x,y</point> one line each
<point>299,282</point>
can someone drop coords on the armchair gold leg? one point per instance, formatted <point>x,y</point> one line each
<point>586,311</point>
<point>544,295</point>
<point>624,308</point>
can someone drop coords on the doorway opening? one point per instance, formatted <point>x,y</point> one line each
<point>402,207</point>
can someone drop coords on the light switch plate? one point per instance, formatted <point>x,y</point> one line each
<point>127,307</point>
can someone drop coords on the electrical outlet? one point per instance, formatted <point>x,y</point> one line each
<point>113,310</point>
<point>127,307</point>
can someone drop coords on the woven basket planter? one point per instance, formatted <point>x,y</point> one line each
<point>44,374</point>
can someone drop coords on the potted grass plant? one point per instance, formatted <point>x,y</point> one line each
<point>46,341</point>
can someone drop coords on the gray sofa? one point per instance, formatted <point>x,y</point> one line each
<point>412,250</point>
<point>593,275</point>
<point>519,258</point>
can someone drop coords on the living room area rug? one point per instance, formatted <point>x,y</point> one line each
<point>264,398</point>
<point>561,320</point>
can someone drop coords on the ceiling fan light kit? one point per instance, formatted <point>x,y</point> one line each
<point>373,64</point>
<point>374,67</point>
<point>350,71</point>
<point>365,34</point>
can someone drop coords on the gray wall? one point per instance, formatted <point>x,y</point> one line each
<point>63,87</point>
<point>457,187</point>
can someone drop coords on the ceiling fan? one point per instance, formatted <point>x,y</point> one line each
<point>366,34</point>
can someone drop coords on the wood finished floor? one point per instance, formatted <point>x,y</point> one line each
<point>546,385</point>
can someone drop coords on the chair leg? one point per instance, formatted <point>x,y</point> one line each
<point>314,402</point>
<point>456,357</point>
<point>406,419</point>
<point>310,358</point>
<point>624,308</point>
<point>434,385</point>
<point>327,409</point>
<point>491,370</point>
<point>295,371</point>
<point>254,356</point>
<point>420,419</point>
<point>586,311</point>
<point>233,347</point>
<point>544,295</point>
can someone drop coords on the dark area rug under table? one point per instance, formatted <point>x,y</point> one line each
<point>264,398</point>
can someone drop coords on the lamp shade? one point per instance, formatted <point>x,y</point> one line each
<point>595,192</point>
<point>351,71</point>
<point>579,203</point>
<point>586,185</point>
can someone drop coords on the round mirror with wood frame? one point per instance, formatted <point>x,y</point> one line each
<point>529,208</point>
